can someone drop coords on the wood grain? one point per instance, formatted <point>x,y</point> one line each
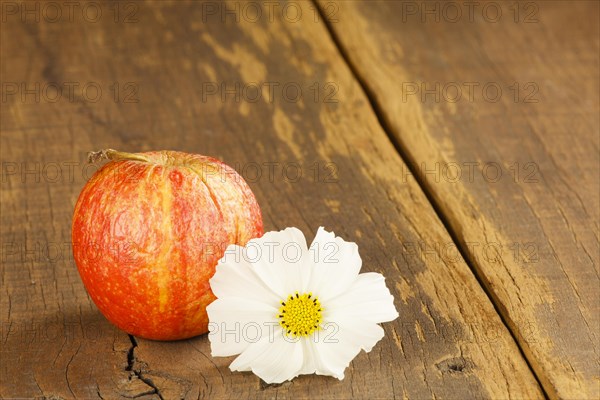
<point>449,341</point>
<point>540,216</point>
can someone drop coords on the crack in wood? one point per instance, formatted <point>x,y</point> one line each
<point>137,372</point>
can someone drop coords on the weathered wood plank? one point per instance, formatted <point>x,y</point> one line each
<point>539,218</point>
<point>449,341</point>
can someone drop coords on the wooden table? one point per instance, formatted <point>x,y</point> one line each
<point>456,143</point>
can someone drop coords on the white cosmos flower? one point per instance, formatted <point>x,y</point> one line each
<point>289,310</point>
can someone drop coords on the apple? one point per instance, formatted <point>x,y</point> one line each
<point>148,231</point>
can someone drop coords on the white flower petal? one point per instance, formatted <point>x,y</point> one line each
<point>274,359</point>
<point>341,342</point>
<point>358,333</point>
<point>234,277</point>
<point>311,359</point>
<point>279,259</point>
<point>235,324</point>
<point>336,264</point>
<point>314,361</point>
<point>366,299</point>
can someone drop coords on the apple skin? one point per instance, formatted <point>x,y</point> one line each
<point>148,231</point>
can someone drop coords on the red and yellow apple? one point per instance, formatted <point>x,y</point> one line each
<point>148,231</point>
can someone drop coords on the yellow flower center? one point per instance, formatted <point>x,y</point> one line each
<point>300,314</point>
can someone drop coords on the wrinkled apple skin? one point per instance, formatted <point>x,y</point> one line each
<point>147,235</point>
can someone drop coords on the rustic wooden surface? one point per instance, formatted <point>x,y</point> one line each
<point>541,215</point>
<point>165,58</point>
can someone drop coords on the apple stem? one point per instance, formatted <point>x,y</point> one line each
<point>110,154</point>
